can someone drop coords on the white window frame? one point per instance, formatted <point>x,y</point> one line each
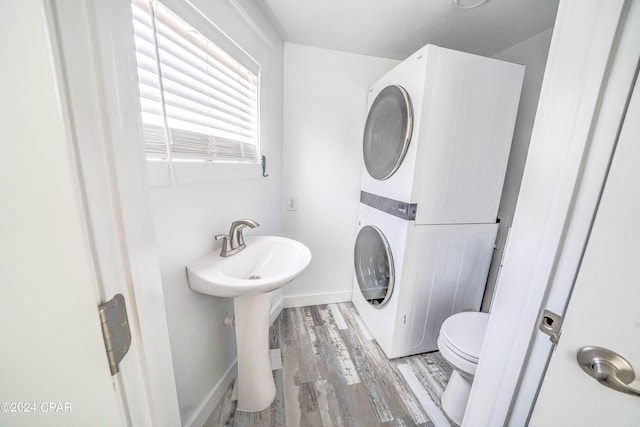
<point>162,172</point>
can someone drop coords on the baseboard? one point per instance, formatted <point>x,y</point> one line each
<point>208,404</point>
<point>315,299</point>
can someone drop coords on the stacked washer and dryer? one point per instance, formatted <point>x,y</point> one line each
<point>436,145</point>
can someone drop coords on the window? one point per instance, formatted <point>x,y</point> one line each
<point>198,102</point>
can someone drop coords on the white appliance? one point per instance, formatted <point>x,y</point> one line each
<point>410,278</point>
<point>438,134</point>
<point>436,145</point>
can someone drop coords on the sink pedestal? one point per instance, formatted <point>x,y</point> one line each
<point>266,263</point>
<point>256,387</point>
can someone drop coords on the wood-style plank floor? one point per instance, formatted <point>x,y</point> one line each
<point>330,372</point>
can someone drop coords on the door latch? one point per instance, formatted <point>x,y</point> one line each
<point>550,324</point>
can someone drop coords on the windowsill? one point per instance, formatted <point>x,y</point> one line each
<point>186,172</point>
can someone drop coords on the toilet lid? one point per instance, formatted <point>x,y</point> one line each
<point>464,333</point>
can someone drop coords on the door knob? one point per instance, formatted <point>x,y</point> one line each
<point>608,368</point>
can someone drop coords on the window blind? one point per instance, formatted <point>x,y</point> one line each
<point>198,103</point>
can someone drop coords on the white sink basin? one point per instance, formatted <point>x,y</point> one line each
<point>267,263</point>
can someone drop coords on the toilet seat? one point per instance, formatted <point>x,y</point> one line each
<point>461,336</point>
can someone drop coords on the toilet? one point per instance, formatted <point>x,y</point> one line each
<point>460,342</point>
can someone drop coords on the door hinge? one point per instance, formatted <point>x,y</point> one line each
<point>115,330</point>
<point>550,324</point>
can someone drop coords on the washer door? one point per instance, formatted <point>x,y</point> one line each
<point>387,132</point>
<point>374,266</point>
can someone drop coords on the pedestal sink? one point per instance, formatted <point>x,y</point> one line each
<point>267,263</point>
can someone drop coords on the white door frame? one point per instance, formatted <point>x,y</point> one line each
<point>590,69</point>
<point>603,310</point>
<point>92,45</point>
<point>53,349</point>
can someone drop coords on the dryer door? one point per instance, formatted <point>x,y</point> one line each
<point>387,132</point>
<point>374,266</point>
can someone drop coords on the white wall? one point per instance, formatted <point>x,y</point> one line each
<point>325,99</point>
<point>186,218</point>
<point>532,53</point>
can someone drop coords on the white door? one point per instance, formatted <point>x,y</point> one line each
<point>53,367</point>
<point>604,309</point>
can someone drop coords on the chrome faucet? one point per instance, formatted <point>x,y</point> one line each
<point>234,242</point>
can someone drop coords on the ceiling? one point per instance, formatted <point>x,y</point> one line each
<point>397,28</point>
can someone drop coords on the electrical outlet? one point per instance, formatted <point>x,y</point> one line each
<point>292,204</point>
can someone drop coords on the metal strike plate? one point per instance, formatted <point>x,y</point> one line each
<point>550,324</point>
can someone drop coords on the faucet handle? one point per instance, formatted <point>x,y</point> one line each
<point>225,243</point>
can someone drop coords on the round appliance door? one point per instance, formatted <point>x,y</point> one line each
<point>374,266</point>
<point>387,132</point>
